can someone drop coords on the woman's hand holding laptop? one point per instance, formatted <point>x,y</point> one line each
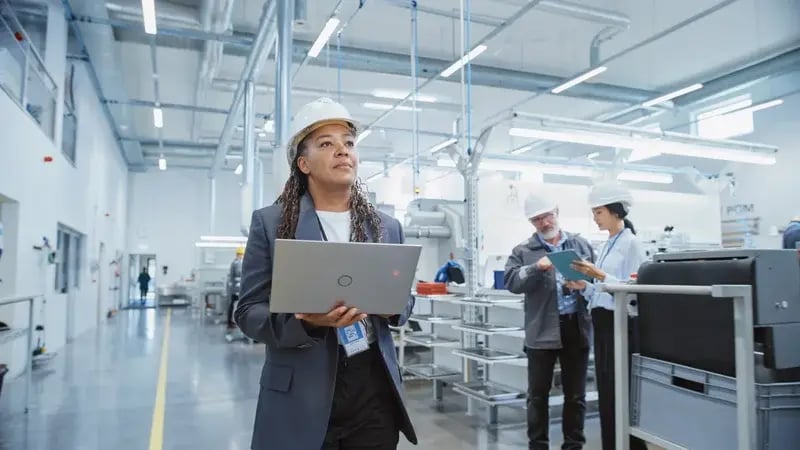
<point>338,317</point>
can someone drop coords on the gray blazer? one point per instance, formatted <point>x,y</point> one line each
<point>542,327</point>
<point>299,373</point>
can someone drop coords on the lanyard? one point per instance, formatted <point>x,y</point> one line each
<point>608,249</point>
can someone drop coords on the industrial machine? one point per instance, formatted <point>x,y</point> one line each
<point>686,359</point>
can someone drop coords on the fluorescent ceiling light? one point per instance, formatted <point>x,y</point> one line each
<point>400,95</point>
<point>162,163</point>
<point>672,95</point>
<point>464,59</point>
<point>363,136</point>
<point>647,144</point>
<point>725,109</point>
<point>269,126</point>
<point>761,106</point>
<point>158,118</point>
<point>323,37</point>
<point>443,145</point>
<point>240,239</point>
<point>645,177</point>
<point>563,170</point>
<point>374,177</point>
<point>579,79</point>
<point>217,244</point>
<point>239,169</point>
<point>385,107</point>
<point>149,16</point>
<point>593,155</point>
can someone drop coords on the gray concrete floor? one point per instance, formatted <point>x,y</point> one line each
<point>99,392</point>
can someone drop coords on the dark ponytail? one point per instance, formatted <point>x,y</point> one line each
<point>629,225</point>
<point>619,210</point>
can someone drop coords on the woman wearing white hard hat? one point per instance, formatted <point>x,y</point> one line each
<point>620,257</point>
<point>320,388</point>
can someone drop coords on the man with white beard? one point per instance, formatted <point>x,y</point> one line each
<point>557,324</point>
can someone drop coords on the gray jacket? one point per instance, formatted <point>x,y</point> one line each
<point>299,373</point>
<point>542,327</point>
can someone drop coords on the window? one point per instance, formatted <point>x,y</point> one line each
<point>726,120</point>
<point>68,262</point>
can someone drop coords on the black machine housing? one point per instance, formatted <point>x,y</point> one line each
<point>698,331</point>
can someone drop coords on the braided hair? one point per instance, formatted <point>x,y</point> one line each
<point>362,213</point>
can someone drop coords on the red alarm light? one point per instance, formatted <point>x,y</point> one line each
<point>48,158</point>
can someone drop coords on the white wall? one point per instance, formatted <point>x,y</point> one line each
<point>771,189</point>
<point>88,197</point>
<point>169,211</point>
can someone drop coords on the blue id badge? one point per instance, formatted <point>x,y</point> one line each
<point>353,338</point>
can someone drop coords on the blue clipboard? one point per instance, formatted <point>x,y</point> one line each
<point>562,262</point>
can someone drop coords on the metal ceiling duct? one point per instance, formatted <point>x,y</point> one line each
<point>166,13</point>
<point>262,45</point>
<point>101,49</point>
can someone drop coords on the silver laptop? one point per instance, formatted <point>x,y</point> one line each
<point>315,276</point>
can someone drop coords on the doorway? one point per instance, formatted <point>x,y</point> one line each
<point>139,263</point>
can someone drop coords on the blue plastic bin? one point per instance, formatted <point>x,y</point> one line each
<point>499,283</point>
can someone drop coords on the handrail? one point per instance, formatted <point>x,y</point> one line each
<point>742,296</point>
<point>28,349</point>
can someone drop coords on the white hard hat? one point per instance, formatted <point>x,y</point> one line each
<point>536,205</point>
<point>311,116</point>
<point>606,193</point>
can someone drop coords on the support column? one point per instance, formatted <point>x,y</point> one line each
<point>248,157</point>
<point>283,89</point>
<point>212,200</point>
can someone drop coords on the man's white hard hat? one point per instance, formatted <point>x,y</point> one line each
<point>311,116</point>
<point>608,192</point>
<point>536,205</point>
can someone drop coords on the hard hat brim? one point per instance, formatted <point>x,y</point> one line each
<point>305,132</point>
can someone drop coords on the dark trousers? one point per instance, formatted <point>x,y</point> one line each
<point>143,291</point>
<point>573,358</point>
<point>603,321</point>
<point>365,413</point>
<point>231,303</point>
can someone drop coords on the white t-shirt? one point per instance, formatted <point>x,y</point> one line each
<point>336,226</point>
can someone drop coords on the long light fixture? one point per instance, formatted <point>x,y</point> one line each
<point>400,95</point>
<point>761,106</point>
<point>149,16</point>
<point>214,238</point>
<point>158,118</point>
<point>269,126</point>
<point>385,107</point>
<point>564,170</point>
<point>673,94</point>
<point>217,244</point>
<point>652,142</point>
<point>323,37</point>
<point>239,169</point>
<point>464,60</point>
<point>443,145</point>
<point>162,163</point>
<point>579,79</point>
<point>363,136</point>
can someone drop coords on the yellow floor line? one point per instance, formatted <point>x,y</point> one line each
<point>157,427</point>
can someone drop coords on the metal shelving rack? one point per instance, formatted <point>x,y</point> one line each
<point>437,373</point>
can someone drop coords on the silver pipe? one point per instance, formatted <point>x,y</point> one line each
<point>511,20</point>
<point>308,57</point>
<point>283,57</point>
<point>265,36</point>
<point>166,12</point>
<point>414,111</point>
<point>249,135</point>
<point>212,205</point>
<point>300,12</point>
<point>431,232</point>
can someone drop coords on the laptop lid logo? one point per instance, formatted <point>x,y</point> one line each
<point>345,280</point>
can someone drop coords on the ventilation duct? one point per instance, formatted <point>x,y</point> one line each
<point>166,13</point>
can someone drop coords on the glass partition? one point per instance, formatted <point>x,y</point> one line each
<point>23,75</point>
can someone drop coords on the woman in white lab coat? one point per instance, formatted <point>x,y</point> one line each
<point>619,257</point>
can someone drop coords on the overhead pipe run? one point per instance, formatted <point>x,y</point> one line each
<point>167,13</point>
<point>262,45</point>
